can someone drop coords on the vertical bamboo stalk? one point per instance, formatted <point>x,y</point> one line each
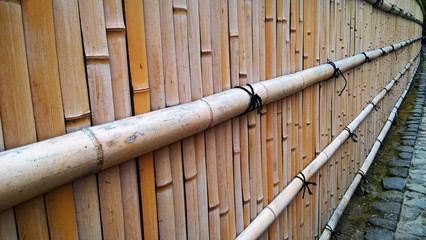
<point>116,37</point>
<point>136,44</point>
<point>172,98</point>
<point>73,83</point>
<point>15,95</point>
<point>48,111</point>
<point>101,101</point>
<point>234,74</point>
<point>183,74</point>
<point>210,138</point>
<point>196,93</point>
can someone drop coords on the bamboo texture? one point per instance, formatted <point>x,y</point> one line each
<point>198,166</point>
<point>326,234</point>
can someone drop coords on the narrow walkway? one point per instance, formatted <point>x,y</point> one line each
<point>403,200</point>
<point>412,222</point>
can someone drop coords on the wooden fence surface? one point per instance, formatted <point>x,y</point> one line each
<point>69,64</point>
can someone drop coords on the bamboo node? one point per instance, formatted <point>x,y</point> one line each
<point>98,146</point>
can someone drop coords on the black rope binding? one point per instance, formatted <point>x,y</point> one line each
<point>352,135</point>
<point>334,234</point>
<point>305,184</point>
<point>363,177</point>
<point>378,2</point>
<point>393,48</point>
<point>388,90</point>
<point>375,107</point>
<point>392,7</point>
<point>380,141</point>
<point>255,100</point>
<point>367,59</point>
<point>383,52</point>
<point>336,74</point>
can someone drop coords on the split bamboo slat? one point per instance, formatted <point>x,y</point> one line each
<point>134,11</point>
<point>48,112</point>
<point>193,163</point>
<point>101,101</point>
<point>15,95</point>
<point>116,37</point>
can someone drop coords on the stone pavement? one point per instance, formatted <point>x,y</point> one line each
<point>412,222</point>
<point>403,202</point>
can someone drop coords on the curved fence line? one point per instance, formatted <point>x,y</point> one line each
<point>332,223</point>
<point>274,209</point>
<point>393,9</point>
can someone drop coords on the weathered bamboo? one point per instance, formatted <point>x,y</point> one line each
<point>116,37</point>
<point>393,9</point>
<point>273,210</point>
<point>15,95</point>
<point>48,111</point>
<point>141,101</point>
<point>101,102</point>
<point>326,234</point>
<point>211,112</point>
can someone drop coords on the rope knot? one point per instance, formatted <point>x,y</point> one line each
<point>336,74</point>
<point>334,234</point>
<point>392,7</point>
<point>352,135</point>
<point>375,107</point>
<point>363,177</point>
<point>378,2</point>
<point>384,53</point>
<point>367,59</point>
<point>255,100</point>
<point>305,184</point>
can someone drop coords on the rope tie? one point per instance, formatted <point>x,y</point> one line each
<point>305,184</point>
<point>334,234</point>
<point>378,2</point>
<point>392,7</point>
<point>375,107</point>
<point>383,52</point>
<point>352,135</point>
<point>388,90</point>
<point>255,100</point>
<point>336,74</point>
<point>367,59</point>
<point>393,48</point>
<point>380,141</point>
<point>363,177</point>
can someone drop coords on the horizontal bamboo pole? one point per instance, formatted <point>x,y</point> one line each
<point>326,234</point>
<point>28,171</point>
<point>392,8</point>
<point>274,209</point>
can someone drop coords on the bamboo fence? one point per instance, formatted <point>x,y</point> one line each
<point>194,165</point>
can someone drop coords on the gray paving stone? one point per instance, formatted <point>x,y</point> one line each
<point>394,184</point>
<point>405,155</point>
<point>386,207</point>
<point>407,133</point>
<point>404,149</point>
<point>391,196</point>
<point>379,234</point>
<point>408,137</point>
<point>398,163</point>
<point>413,126</point>
<point>412,122</point>
<point>413,118</point>
<point>418,111</point>
<point>408,143</point>
<point>410,213</point>
<point>388,221</point>
<point>414,227</point>
<point>416,188</point>
<point>418,203</point>
<point>398,172</point>
<point>418,161</point>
